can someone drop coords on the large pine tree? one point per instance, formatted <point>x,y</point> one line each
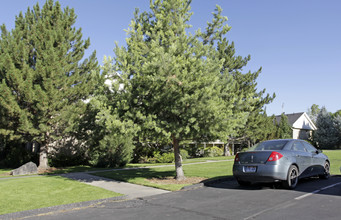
<point>249,103</point>
<point>172,79</point>
<point>327,135</point>
<point>284,129</point>
<point>43,76</point>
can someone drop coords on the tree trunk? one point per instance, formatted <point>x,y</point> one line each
<point>232,150</point>
<point>178,160</point>
<point>43,162</point>
<point>227,150</point>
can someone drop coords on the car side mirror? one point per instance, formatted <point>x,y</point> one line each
<point>318,151</point>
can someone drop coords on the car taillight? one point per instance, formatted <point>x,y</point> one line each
<point>236,159</point>
<point>275,156</point>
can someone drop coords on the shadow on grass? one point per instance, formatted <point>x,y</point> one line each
<point>129,174</point>
<point>126,175</point>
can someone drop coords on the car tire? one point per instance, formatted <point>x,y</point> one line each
<point>326,173</point>
<point>243,183</point>
<point>292,178</point>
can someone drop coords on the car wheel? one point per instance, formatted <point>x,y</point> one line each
<point>292,178</point>
<point>326,173</point>
<point>243,183</point>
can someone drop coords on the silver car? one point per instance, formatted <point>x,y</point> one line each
<point>284,160</point>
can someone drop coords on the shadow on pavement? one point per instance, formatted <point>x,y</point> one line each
<point>331,186</point>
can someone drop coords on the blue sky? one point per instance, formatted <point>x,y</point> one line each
<point>297,43</point>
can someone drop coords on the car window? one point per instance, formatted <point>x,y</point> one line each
<point>297,146</point>
<point>270,145</point>
<point>309,147</point>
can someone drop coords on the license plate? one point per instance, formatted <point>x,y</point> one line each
<point>250,169</point>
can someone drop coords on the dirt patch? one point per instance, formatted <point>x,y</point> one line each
<point>6,174</point>
<point>171,180</point>
<point>48,170</point>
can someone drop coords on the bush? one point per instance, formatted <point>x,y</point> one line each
<point>64,159</point>
<point>143,151</point>
<point>68,151</point>
<point>194,150</point>
<point>164,158</point>
<point>113,151</point>
<point>213,152</point>
<point>184,154</point>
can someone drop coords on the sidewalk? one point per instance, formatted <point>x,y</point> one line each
<point>132,191</point>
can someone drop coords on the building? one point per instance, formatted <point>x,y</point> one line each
<point>301,124</point>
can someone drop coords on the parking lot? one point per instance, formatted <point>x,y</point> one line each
<point>312,199</point>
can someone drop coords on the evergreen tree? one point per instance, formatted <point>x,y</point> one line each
<point>313,112</point>
<point>259,127</point>
<point>337,114</point>
<point>172,81</point>
<point>43,79</point>
<point>249,103</point>
<point>326,135</point>
<point>284,129</point>
<point>337,124</point>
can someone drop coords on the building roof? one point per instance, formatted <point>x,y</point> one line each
<point>292,118</point>
<point>298,120</point>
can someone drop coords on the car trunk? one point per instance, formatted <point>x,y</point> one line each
<point>255,157</point>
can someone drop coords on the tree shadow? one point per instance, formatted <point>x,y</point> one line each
<point>124,175</point>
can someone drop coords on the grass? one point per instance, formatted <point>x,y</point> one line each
<point>45,191</point>
<point>335,161</point>
<point>140,176</point>
<point>72,169</point>
<point>186,161</point>
<point>213,170</point>
<point>4,172</point>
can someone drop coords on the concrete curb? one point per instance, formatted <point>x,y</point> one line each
<point>49,210</point>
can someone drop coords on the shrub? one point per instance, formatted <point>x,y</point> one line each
<point>143,151</point>
<point>213,152</point>
<point>184,154</point>
<point>63,160</point>
<point>68,151</point>
<point>164,158</point>
<point>113,151</point>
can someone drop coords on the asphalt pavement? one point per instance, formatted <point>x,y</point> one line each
<point>312,199</point>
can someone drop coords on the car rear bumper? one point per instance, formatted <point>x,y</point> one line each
<point>264,172</point>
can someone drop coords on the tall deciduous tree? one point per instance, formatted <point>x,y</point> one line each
<point>173,81</point>
<point>43,77</point>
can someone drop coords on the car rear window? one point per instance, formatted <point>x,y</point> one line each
<point>270,145</point>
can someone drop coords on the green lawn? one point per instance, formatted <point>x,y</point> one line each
<point>139,176</point>
<point>4,172</point>
<point>208,170</point>
<point>335,161</point>
<point>45,191</point>
<point>186,161</point>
